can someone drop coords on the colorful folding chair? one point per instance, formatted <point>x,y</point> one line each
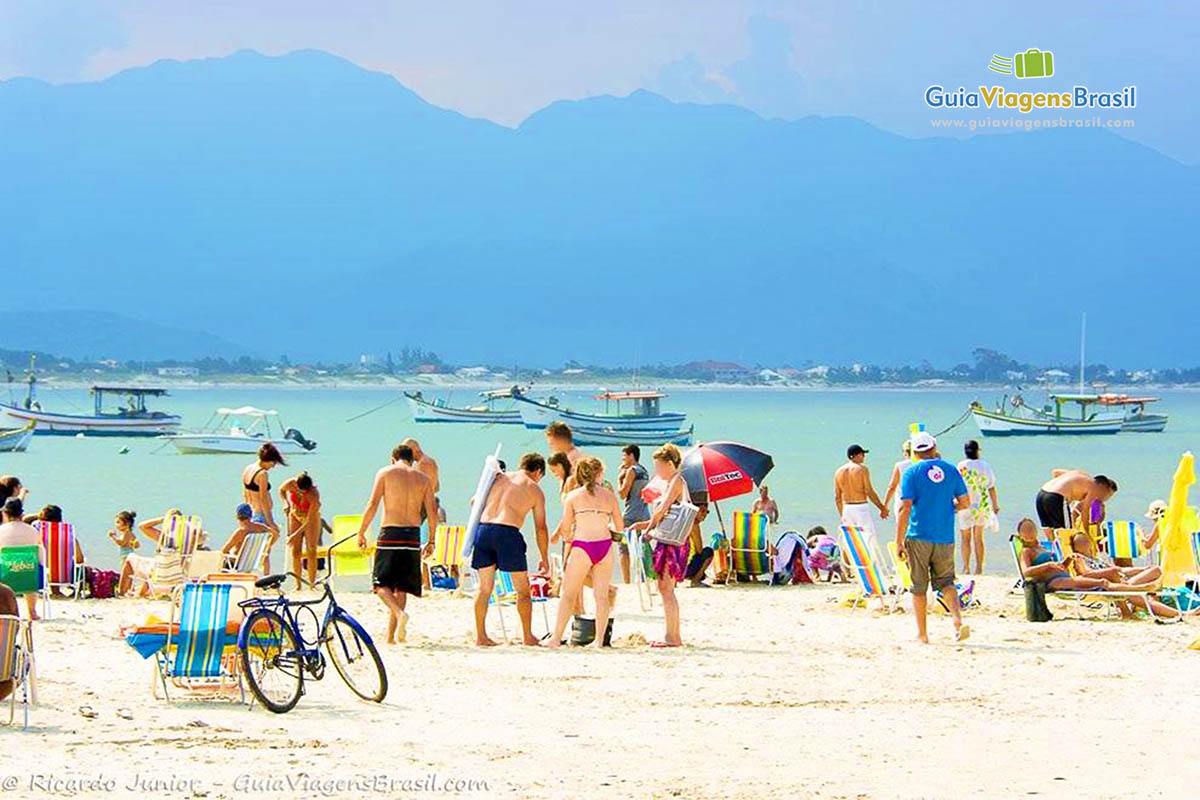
<point>749,547</point>
<point>447,553</point>
<point>862,556</point>
<point>200,656</point>
<point>62,570</point>
<point>181,533</point>
<point>504,593</point>
<point>1123,539</point>
<point>16,665</point>
<point>249,558</point>
<point>347,560</point>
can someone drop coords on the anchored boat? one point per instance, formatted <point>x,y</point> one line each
<point>1134,408</point>
<point>1063,414</point>
<point>131,418</point>
<point>16,440</point>
<point>615,438</point>
<point>642,414</point>
<point>437,410</point>
<point>242,430</point>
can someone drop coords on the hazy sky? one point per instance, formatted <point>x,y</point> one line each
<point>504,60</point>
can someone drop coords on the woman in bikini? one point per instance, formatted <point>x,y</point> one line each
<point>256,490</point>
<point>591,514</point>
<point>670,560</point>
<point>303,502</point>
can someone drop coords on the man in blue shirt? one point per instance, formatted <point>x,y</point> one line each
<point>931,492</point>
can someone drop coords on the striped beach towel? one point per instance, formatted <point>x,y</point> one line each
<point>748,544</point>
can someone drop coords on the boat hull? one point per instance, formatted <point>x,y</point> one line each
<point>1145,423</point>
<point>992,424</point>
<point>536,416</point>
<point>600,438</point>
<point>215,444</point>
<point>51,424</point>
<point>16,441</point>
<point>423,411</point>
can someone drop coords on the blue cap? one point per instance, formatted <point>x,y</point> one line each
<point>244,511</point>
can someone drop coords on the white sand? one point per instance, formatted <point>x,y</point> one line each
<point>780,693</point>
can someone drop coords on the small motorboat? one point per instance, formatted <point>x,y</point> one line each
<point>16,440</point>
<point>645,414</point>
<point>438,410</point>
<point>242,430</point>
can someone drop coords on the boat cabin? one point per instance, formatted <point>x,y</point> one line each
<point>642,403</point>
<point>135,400</point>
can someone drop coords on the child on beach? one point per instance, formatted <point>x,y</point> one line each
<point>124,536</point>
<point>824,555</point>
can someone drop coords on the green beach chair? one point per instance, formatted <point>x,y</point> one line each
<point>749,546</point>
<point>16,665</point>
<point>21,570</point>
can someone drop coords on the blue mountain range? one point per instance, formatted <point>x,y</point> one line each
<point>303,205</point>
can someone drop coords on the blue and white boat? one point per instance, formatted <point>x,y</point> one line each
<point>644,414</point>
<point>615,438</point>
<point>438,410</point>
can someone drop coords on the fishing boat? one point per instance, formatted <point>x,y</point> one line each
<point>242,430</point>
<point>614,438</point>
<point>16,440</point>
<point>642,414</point>
<point>1062,414</point>
<point>438,410</point>
<point>129,419</point>
<point>1136,418</point>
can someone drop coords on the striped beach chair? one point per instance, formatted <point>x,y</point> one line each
<point>749,546</point>
<point>862,556</point>
<point>181,533</point>
<point>249,558</point>
<point>447,552</point>
<point>16,665</point>
<point>1014,544</point>
<point>1123,539</point>
<point>201,656</point>
<point>504,593</point>
<point>346,560</point>
<point>62,570</point>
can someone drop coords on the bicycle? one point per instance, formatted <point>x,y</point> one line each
<point>275,656</point>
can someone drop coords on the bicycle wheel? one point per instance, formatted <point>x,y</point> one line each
<point>275,674</point>
<point>355,659</point>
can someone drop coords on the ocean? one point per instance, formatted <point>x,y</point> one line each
<point>807,432</point>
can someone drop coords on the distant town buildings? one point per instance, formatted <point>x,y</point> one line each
<point>178,372</point>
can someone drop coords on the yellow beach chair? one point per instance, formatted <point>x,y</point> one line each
<point>347,560</point>
<point>447,553</point>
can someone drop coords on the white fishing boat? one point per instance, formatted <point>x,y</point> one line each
<point>1063,414</point>
<point>644,414</point>
<point>242,430</point>
<point>614,438</point>
<point>16,440</point>
<point>1136,418</point>
<point>438,410</point>
<point>131,418</point>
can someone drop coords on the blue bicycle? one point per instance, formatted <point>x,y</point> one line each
<point>276,656</point>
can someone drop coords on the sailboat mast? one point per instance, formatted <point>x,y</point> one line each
<point>1082,349</point>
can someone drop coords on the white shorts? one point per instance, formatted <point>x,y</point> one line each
<point>859,515</point>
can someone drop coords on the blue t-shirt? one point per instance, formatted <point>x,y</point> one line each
<point>932,487</point>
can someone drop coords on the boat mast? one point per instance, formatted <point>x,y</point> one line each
<point>1082,350</point>
<point>31,379</point>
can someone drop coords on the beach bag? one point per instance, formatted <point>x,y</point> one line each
<point>583,631</point>
<point>676,524</point>
<point>440,578</point>
<point>1036,609</point>
<point>1180,597</point>
<point>101,583</point>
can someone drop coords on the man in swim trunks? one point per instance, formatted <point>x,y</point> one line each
<point>1071,486</point>
<point>500,545</point>
<point>852,490</point>
<point>406,494</point>
<point>560,440</point>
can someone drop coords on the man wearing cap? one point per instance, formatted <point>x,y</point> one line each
<point>931,493</point>
<point>852,490</point>
<point>246,525</point>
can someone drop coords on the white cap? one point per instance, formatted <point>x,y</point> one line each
<point>923,442</point>
<point>1156,510</point>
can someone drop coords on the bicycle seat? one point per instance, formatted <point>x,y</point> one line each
<point>271,581</point>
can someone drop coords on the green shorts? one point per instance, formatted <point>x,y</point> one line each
<point>930,563</point>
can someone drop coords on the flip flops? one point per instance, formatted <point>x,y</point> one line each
<point>87,712</point>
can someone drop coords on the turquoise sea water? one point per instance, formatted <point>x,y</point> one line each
<point>806,431</point>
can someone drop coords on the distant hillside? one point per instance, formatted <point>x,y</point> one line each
<point>99,335</point>
<point>322,210</point>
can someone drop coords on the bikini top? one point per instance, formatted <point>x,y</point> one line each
<point>1044,557</point>
<point>252,486</point>
<point>579,511</point>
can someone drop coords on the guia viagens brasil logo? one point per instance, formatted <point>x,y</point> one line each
<point>1030,64</point>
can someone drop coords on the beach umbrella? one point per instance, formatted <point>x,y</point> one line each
<point>1177,558</point>
<point>720,470</point>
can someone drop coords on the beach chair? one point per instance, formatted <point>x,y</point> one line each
<point>505,594</point>
<point>21,570</point>
<point>639,570</point>
<point>1122,539</point>
<point>447,552</point>
<point>16,665</point>
<point>200,656</point>
<point>182,534</point>
<point>749,547</point>
<point>62,570</point>
<point>250,556</point>
<point>862,557</point>
<point>1014,544</point>
<point>346,559</point>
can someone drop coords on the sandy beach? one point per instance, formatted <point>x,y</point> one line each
<point>781,692</point>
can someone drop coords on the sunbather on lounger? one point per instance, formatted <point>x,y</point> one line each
<point>1088,565</point>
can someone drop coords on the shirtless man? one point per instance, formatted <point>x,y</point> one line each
<point>500,545</point>
<point>406,494</point>
<point>852,490</point>
<point>1071,486</point>
<point>560,440</point>
<point>766,505</point>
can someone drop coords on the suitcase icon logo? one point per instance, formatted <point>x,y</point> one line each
<point>1033,63</point>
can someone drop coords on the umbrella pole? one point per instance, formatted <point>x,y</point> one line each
<point>717,506</point>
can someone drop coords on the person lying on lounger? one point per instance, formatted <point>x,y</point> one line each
<point>1088,565</point>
